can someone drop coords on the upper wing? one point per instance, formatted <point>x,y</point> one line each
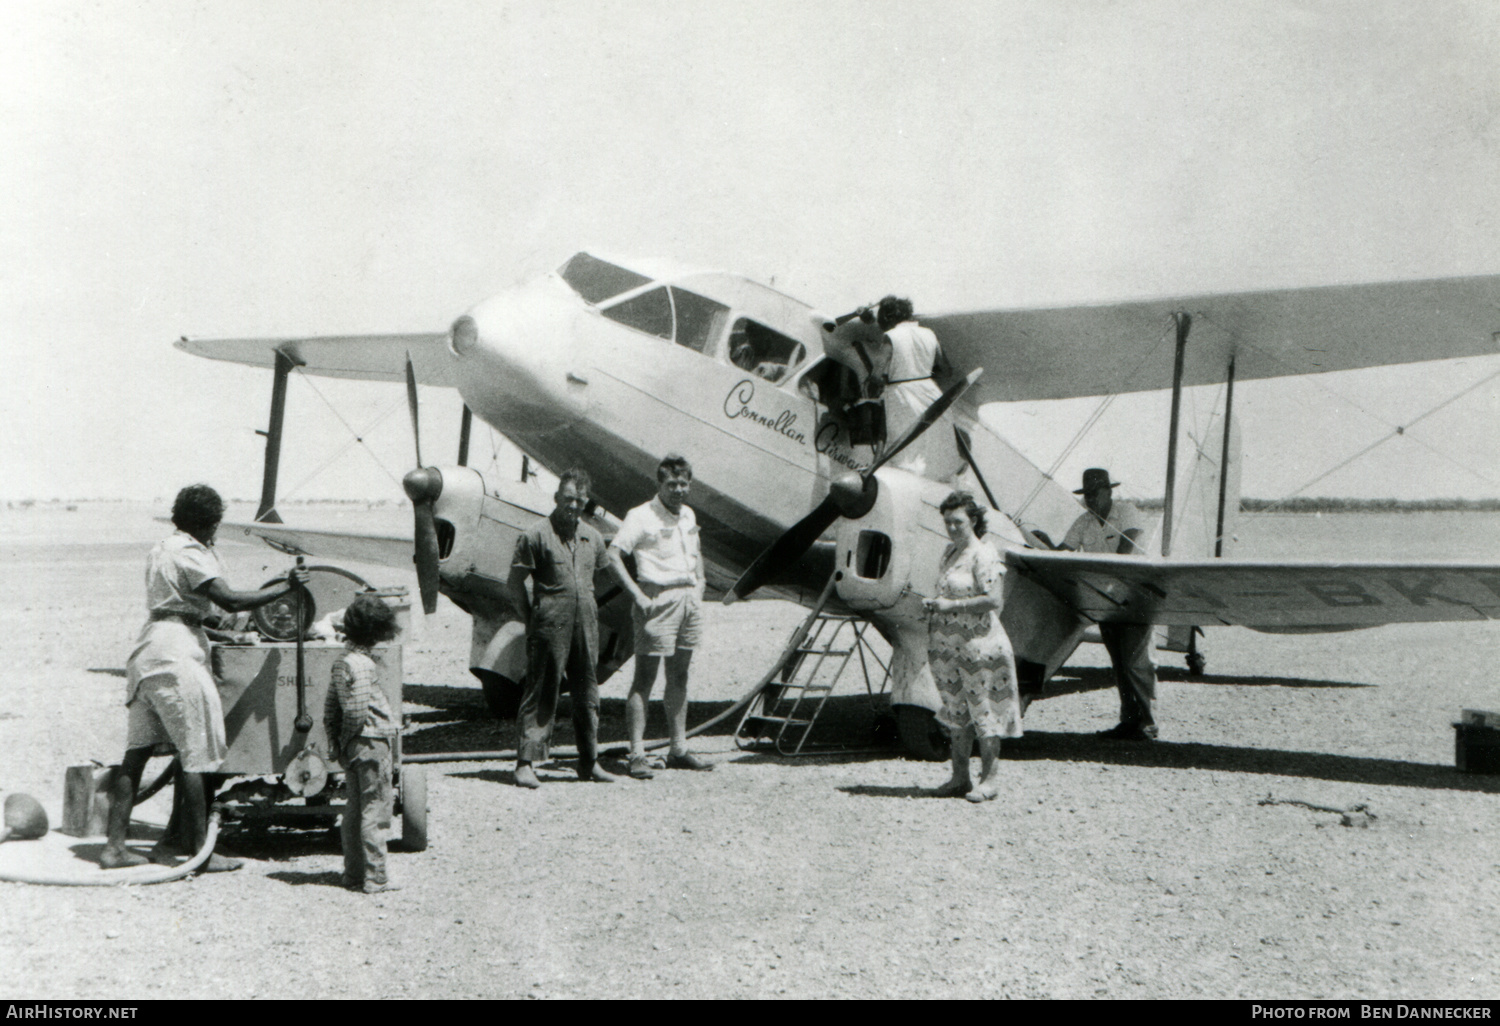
<point>1263,594</point>
<point>385,549</point>
<point>1101,350</point>
<point>368,357</point>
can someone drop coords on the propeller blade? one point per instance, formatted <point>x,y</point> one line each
<point>426,557</point>
<point>411,405</point>
<point>423,486</point>
<point>929,417</point>
<point>848,495</point>
<point>785,550</point>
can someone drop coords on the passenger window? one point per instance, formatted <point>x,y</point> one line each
<point>699,320</point>
<point>756,348</point>
<point>650,312</point>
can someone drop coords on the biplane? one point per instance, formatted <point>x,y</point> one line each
<point>610,364</point>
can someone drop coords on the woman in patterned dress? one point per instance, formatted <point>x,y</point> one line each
<point>969,651</point>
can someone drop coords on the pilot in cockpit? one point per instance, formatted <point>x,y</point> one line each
<point>761,352</point>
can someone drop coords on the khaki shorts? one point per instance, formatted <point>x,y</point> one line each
<point>674,620</point>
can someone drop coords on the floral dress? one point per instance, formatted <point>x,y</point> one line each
<point>969,650</point>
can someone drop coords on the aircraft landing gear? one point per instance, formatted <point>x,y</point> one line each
<point>1197,662</point>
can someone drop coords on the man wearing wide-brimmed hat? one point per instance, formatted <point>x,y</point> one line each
<point>1115,527</point>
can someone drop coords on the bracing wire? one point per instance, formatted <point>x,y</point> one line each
<point>1396,430</point>
<point>357,436</point>
<point>1099,411</point>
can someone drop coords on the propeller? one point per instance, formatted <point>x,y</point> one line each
<point>423,486</point>
<point>850,495</point>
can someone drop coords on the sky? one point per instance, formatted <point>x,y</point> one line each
<point>300,168</point>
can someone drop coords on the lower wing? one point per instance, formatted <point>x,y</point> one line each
<point>386,550</point>
<point>1263,594</point>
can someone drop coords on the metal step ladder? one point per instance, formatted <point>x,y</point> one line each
<point>794,692</point>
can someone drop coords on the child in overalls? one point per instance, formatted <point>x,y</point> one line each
<point>360,727</point>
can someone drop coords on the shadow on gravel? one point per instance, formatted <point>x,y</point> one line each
<point>873,791</point>
<point>108,672</point>
<point>281,844</point>
<point>323,879</point>
<point>461,722</point>
<point>1044,746</point>
<point>1073,680</point>
<point>1175,673</point>
<point>564,771</point>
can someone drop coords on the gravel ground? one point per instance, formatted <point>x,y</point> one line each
<point>1105,869</point>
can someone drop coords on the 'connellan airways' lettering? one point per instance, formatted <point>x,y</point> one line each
<point>736,406</point>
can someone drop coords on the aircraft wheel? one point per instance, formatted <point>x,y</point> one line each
<point>920,734</point>
<point>414,807</point>
<point>1197,662</point>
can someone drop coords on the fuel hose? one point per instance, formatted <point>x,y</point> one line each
<point>134,876</point>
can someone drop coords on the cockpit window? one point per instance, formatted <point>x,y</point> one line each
<point>650,312</point>
<point>769,354</point>
<point>595,280</point>
<point>699,320</point>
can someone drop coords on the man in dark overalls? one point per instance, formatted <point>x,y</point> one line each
<point>560,554</point>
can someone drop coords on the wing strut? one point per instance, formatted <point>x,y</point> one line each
<point>1184,322</point>
<point>266,512</point>
<point>1224,459</point>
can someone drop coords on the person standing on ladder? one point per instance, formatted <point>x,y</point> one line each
<point>1115,527</point>
<point>915,357</point>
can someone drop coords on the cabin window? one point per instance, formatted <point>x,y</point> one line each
<point>650,312</point>
<point>756,348</point>
<point>699,320</point>
<point>872,555</point>
<point>596,280</point>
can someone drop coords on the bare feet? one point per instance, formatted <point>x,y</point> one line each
<point>954,787</point>
<point>985,792</point>
<point>380,888</point>
<point>121,858</point>
<point>526,776</point>
<point>597,773</point>
<point>167,853</point>
<point>221,864</point>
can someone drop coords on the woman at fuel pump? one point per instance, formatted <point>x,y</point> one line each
<point>171,697</point>
<point>969,651</point>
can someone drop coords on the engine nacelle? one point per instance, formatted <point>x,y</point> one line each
<point>887,564</point>
<point>477,531</point>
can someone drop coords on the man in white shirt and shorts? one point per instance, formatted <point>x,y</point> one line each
<point>667,588</point>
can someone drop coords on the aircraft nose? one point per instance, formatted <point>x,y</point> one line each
<point>514,353</point>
